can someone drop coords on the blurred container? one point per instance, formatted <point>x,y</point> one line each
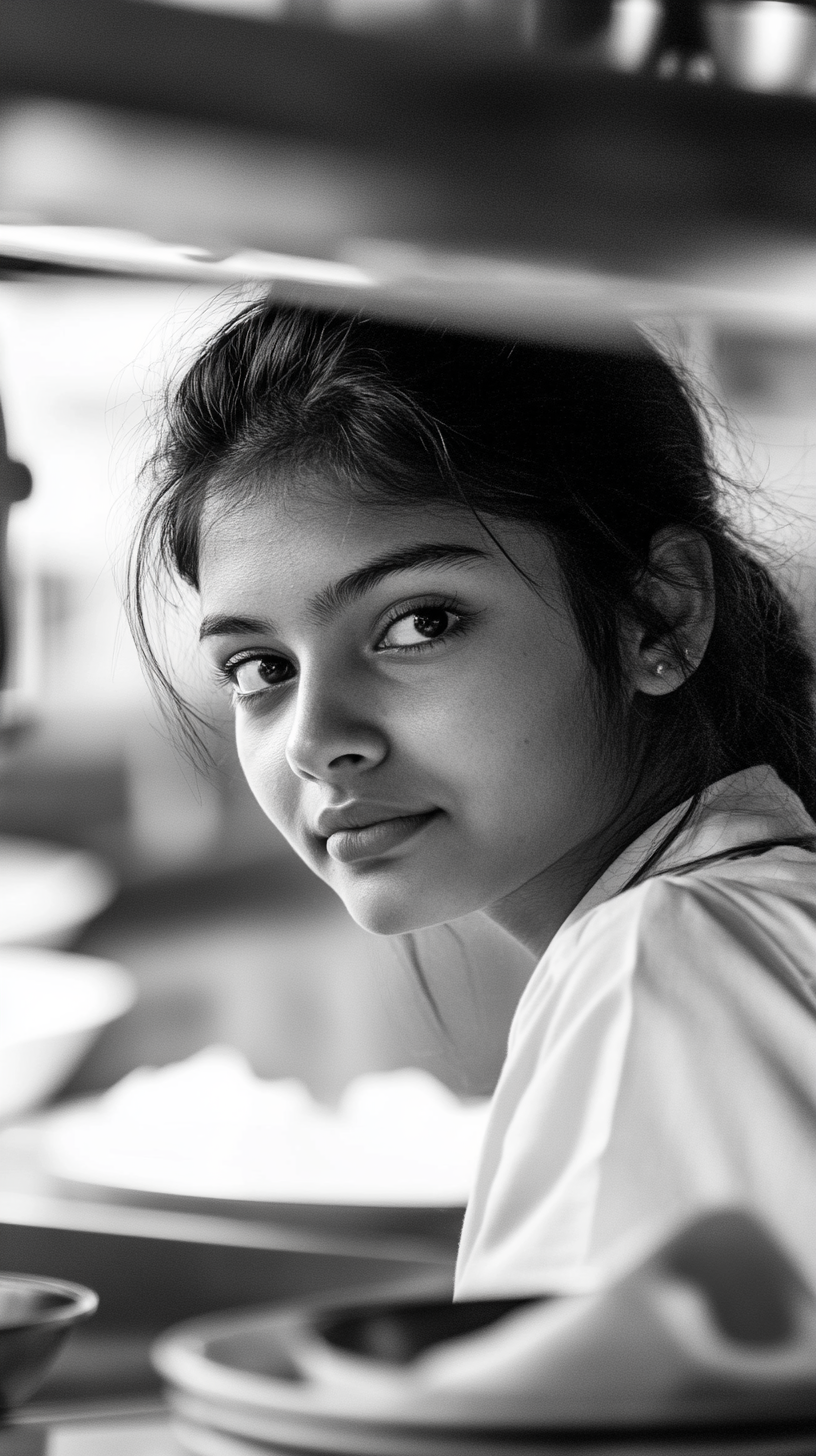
<point>617,33</point>
<point>52,1007</point>
<point>632,32</point>
<point>152,1269</point>
<point>395,1158</point>
<point>36,1315</point>
<point>763,45</point>
<point>48,893</point>
<point>374,14</point>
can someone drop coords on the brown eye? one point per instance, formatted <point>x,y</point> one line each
<point>417,627</point>
<point>431,624</point>
<point>255,674</point>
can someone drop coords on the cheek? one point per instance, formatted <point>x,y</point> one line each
<point>532,748</point>
<point>262,756</point>
<point>536,707</point>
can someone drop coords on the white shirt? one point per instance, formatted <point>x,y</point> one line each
<point>662,1059</point>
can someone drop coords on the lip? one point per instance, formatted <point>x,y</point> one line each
<point>347,841</point>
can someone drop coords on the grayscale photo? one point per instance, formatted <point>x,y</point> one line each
<point>407,727</point>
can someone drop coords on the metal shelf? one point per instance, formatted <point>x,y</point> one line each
<point>500,189</point>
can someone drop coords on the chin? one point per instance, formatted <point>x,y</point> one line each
<point>395,910</point>
<point>385,916</point>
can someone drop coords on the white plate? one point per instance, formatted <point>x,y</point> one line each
<point>209,1130</point>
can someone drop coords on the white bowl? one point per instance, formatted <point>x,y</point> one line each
<point>52,1007</point>
<point>48,892</point>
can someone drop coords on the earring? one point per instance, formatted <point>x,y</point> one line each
<point>661,668</point>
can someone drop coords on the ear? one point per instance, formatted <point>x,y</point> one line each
<point>678,586</point>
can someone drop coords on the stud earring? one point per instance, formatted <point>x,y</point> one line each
<point>661,668</point>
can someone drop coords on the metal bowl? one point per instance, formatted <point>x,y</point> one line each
<point>620,34</point>
<point>763,45</point>
<point>36,1316</point>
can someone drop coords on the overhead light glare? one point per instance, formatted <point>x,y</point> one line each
<point>112,251</point>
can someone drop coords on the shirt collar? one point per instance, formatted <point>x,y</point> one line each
<point>747,806</point>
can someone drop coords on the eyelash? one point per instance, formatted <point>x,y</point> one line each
<point>415,608</point>
<point>226,674</point>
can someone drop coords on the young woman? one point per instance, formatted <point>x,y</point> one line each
<point>493,645</point>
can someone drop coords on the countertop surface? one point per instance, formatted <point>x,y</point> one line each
<point>137,1436</point>
<point>139,1432</point>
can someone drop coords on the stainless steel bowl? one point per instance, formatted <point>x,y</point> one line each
<point>621,34</point>
<point>763,45</point>
<point>36,1316</point>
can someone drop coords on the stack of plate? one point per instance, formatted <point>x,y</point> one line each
<point>239,1386</point>
<point>706,1345</point>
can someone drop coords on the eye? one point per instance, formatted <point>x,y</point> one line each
<point>421,626</point>
<point>251,675</point>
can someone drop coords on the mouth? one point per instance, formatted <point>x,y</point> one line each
<point>368,841</point>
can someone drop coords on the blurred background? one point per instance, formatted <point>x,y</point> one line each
<point>230,937</point>
<point>544,165</point>
<point>545,168</point>
<point>554,169</point>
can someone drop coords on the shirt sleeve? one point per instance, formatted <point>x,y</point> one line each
<point>529,1219</point>
<point>661,1066</point>
<point>716,1101</point>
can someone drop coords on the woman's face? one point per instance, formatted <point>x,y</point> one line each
<point>411,714</point>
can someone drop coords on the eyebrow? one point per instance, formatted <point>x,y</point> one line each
<point>230,626</point>
<point>350,588</point>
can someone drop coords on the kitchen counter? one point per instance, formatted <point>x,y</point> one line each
<point>138,1432</point>
<point>152,1267</point>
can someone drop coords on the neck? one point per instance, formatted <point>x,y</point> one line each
<point>534,912</point>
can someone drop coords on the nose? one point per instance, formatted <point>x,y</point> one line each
<point>333,732</point>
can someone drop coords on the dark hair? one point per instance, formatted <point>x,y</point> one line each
<point>598,448</point>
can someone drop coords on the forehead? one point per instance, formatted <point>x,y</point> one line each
<point>314,535</point>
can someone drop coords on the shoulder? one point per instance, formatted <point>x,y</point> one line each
<point>778,885</point>
<point>717,929</point>
<point>590,966</point>
<point>766,905</point>
<point>653,913</point>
